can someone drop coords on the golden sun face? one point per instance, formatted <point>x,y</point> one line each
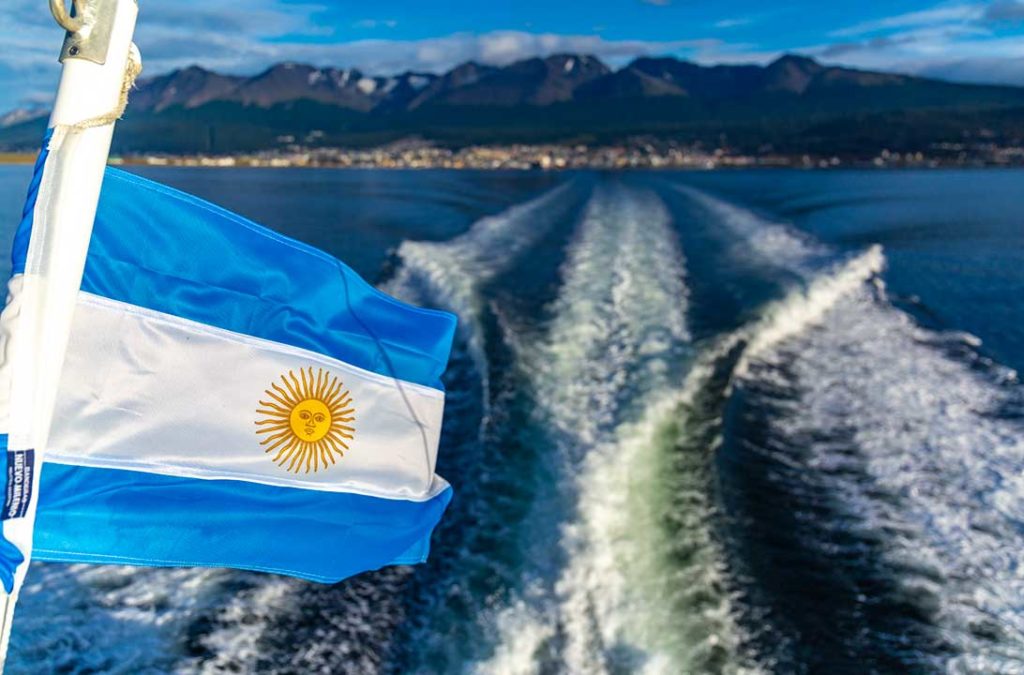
<point>306,420</point>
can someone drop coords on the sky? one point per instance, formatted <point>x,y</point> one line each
<point>963,40</point>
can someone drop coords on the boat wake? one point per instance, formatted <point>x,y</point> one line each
<point>879,463</point>
<point>605,592</point>
<point>914,448</point>
<point>817,484</point>
<point>752,235</point>
<point>453,272</point>
<point>807,306</point>
<point>112,619</point>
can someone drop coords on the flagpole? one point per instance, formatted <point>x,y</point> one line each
<point>90,98</point>
<point>99,65</point>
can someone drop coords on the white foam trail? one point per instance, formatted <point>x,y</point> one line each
<point>776,243</point>
<point>522,630</point>
<point>454,270</point>
<point>115,619</point>
<point>604,378</point>
<point>234,641</point>
<point>623,300</point>
<point>937,470</point>
<point>807,307</point>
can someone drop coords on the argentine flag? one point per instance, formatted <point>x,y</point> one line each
<point>229,397</point>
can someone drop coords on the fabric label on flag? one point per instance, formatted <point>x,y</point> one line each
<point>18,495</point>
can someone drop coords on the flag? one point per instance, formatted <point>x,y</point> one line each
<point>229,397</point>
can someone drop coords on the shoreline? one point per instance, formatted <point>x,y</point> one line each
<point>848,167</point>
<point>717,164</point>
<point>637,155</point>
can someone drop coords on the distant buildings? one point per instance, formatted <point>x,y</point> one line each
<point>637,155</point>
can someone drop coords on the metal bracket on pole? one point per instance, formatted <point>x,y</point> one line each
<point>88,30</point>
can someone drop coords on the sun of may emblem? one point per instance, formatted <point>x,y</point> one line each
<point>306,420</point>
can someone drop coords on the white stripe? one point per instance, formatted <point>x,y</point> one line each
<point>148,391</point>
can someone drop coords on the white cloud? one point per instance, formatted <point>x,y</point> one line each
<point>951,41</point>
<point>375,23</point>
<point>945,15</point>
<point>171,32</point>
<point>966,53</point>
<point>226,36</point>
<point>223,35</point>
<point>929,17</point>
<point>245,54</point>
<point>733,23</point>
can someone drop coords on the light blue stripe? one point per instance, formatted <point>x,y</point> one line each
<point>168,251</point>
<point>134,518</point>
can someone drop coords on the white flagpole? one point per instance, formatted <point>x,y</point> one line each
<point>99,64</point>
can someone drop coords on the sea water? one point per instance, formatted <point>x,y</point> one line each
<point>719,422</point>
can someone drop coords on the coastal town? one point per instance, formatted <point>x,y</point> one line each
<point>639,155</point>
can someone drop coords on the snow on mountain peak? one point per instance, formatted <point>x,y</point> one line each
<point>418,81</point>
<point>367,85</point>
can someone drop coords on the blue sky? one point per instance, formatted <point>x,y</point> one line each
<point>975,41</point>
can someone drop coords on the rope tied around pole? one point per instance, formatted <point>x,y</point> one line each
<point>82,23</point>
<point>132,69</point>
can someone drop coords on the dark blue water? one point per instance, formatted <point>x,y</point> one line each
<point>759,421</point>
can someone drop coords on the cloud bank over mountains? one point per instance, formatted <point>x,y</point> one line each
<point>969,41</point>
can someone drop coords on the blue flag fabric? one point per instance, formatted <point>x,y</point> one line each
<point>234,398</point>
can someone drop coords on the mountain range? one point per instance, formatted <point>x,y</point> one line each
<point>794,104</point>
